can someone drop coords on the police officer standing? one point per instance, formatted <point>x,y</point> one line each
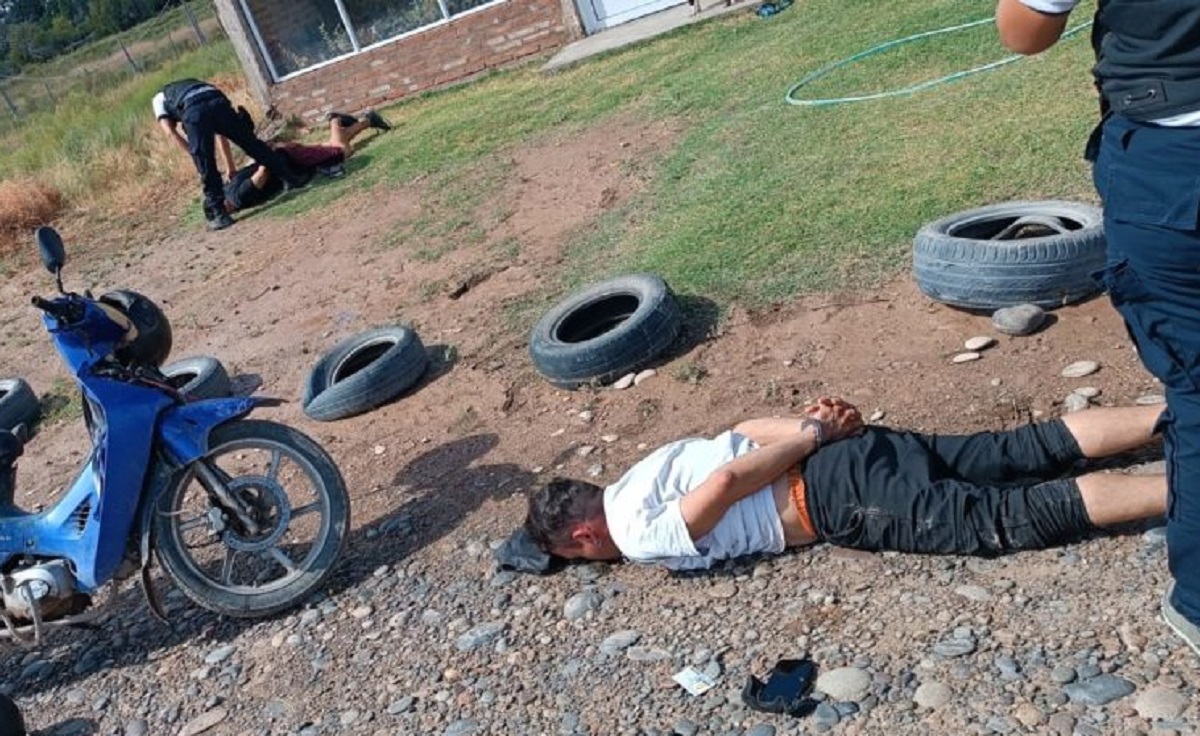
<point>209,123</point>
<point>1146,157</point>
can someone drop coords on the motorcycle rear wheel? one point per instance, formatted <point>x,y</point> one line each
<point>292,489</point>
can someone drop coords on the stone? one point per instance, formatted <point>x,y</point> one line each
<point>137,727</point>
<point>1062,675</point>
<point>957,647</point>
<point>596,470</point>
<point>1062,724</point>
<point>624,382</point>
<point>979,343</point>
<point>965,357</point>
<point>1150,400</point>
<point>403,705</point>
<point>1023,319</point>
<point>1029,715</point>
<point>1160,703</point>
<point>219,655</point>
<point>975,593</point>
<point>642,376</point>
<point>480,636</point>
<point>1088,392</point>
<point>620,641</point>
<point>1080,368</point>
<point>824,717</point>
<point>1075,402</point>
<point>845,683</point>
<point>761,729</point>
<point>723,590</point>
<point>203,722</point>
<point>877,415</point>
<point>462,727</point>
<point>646,654</point>
<point>581,604</point>
<point>932,695</point>
<point>684,727</point>
<point>1099,690</point>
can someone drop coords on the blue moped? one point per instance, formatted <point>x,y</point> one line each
<point>246,517</point>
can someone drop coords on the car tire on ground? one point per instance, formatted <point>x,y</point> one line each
<point>1041,253</point>
<point>364,371</point>
<point>199,378</point>
<point>18,403</point>
<point>606,330</point>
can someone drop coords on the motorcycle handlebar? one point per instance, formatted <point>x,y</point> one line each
<point>64,312</point>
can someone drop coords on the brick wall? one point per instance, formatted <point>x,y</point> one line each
<point>465,46</point>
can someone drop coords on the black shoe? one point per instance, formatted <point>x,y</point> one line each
<point>219,221</point>
<point>333,171</point>
<point>345,120</point>
<point>298,180</point>
<point>376,120</point>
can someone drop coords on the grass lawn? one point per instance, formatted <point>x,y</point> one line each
<point>759,200</point>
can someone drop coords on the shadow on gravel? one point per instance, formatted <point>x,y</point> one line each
<point>435,492</point>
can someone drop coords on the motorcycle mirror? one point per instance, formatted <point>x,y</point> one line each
<point>50,243</point>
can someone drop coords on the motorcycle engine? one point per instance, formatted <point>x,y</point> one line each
<point>50,585</point>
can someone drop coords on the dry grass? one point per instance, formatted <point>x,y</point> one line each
<point>24,205</point>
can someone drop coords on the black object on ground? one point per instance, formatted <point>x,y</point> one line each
<point>12,723</point>
<point>786,689</point>
<point>520,553</point>
<point>604,331</point>
<point>199,378</point>
<point>364,371</point>
<point>18,403</point>
<point>1041,253</point>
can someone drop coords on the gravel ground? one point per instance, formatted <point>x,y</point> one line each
<point>1064,641</point>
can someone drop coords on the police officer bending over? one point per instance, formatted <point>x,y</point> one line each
<point>1146,154</point>
<point>209,122</point>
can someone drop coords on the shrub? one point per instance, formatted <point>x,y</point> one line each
<point>24,205</point>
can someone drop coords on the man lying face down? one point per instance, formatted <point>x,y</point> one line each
<point>769,484</point>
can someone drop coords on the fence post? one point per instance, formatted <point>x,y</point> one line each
<point>132,63</point>
<point>195,25</point>
<point>8,101</point>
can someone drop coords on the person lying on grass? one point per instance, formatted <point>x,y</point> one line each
<point>254,184</point>
<point>769,484</point>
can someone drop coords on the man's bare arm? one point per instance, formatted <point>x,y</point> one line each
<point>703,507</point>
<point>1025,30</point>
<point>226,156</point>
<point>171,129</point>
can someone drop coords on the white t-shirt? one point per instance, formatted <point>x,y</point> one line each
<point>159,103</point>
<point>1054,7</point>
<point>642,508</point>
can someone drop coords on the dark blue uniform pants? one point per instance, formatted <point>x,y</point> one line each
<point>1149,179</point>
<point>210,115</point>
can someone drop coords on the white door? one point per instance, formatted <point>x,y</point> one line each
<point>600,14</point>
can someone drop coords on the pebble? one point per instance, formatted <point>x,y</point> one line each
<point>684,727</point>
<point>1099,690</point>
<point>1150,400</point>
<point>723,590</point>
<point>1088,392</point>
<point>845,683</point>
<point>1062,675</point>
<point>965,357</point>
<point>1160,703</point>
<point>640,377</point>
<point>595,471</point>
<point>1080,368</point>
<point>203,722</point>
<point>956,647</point>
<point>581,604</point>
<point>978,343</point>
<point>975,593</point>
<point>403,705</point>
<point>1023,319</point>
<point>932,695</point>
<point>462,727</point>
<point>620,641</point>
<point>761,729</point>
<point>824,717</point>
<point>646,654</point>
<point>137,727</point>
<point>1029,715</point>
<point>877,415</point>
<point>219,655</point>
<point>624,381</point>
<point>1075,402</point>
<point>480,636</point>
<point>585,450</point>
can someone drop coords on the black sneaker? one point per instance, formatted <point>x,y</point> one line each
<point>345,120</point>
<point>219,221</point>
<point>376,120</point>
<point>298,180</point>
<point>333,171</point>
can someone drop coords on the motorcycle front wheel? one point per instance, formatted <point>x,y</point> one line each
<point>291,492</point>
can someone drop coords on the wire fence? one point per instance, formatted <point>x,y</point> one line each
<point>99,66</point>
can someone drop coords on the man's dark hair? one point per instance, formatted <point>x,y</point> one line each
<point>559,505</point>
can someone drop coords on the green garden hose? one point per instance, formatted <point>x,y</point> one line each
<point>911,89</point>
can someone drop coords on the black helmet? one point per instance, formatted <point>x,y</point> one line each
<point>151,342</point>
<point>11,722</point>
